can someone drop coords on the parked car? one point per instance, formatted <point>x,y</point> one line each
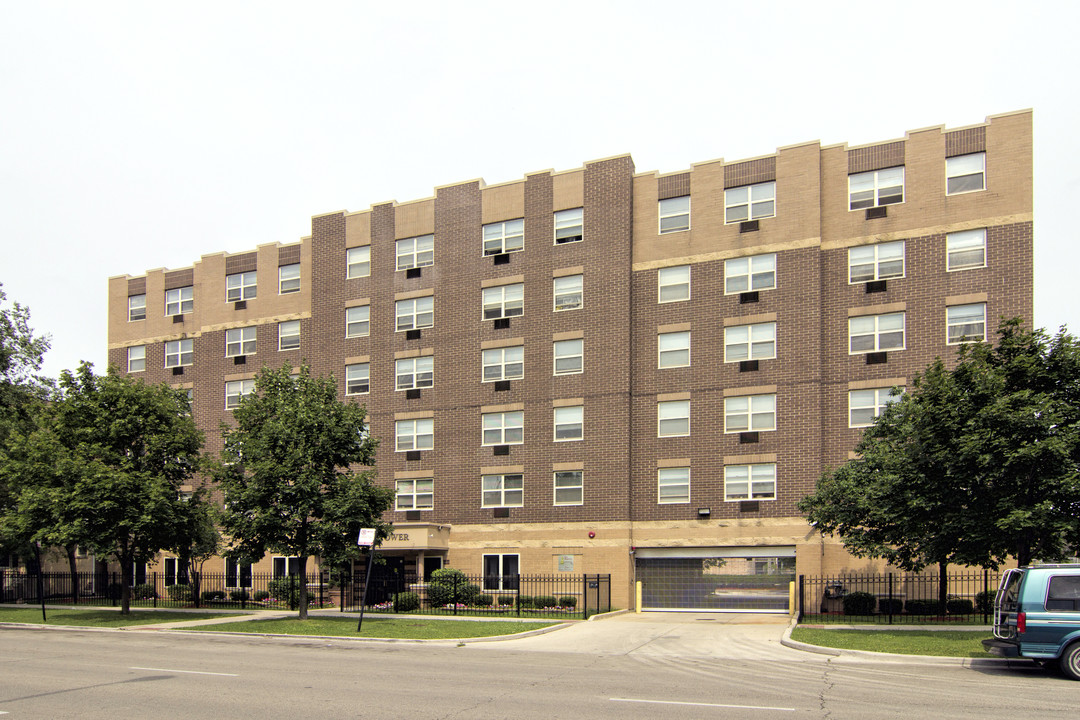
<point>1037,616</point>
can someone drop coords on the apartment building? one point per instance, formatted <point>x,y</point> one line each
<point>604,371</point>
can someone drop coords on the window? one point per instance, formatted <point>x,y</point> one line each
<point>175,571</point>
<point>675,214</point>
<point>965,250</point>
<point>673,418</point>
<point>357,321</point>
<point>569,489</point>
<point>747,274</point>
<point>415,494</point>
<point>966,323</point>
<point>504,237</point>
<point>673,485</point>
<point>876,188</point>
<point>237,574</point>
<point>750,202</point>
<point>504,428</point>
<point>418,372</point>
<point>569,357</point>
<point>500,572</point>
<point>568,226</point>
<point>286,566</point>
<point>235,390</point>
<point>288,279</point>
<point>504,301</point>
<point>240,286</point>
<point>416,434</point>
<point>874,333</point>
<point>136,307</point>
<point>416,252</point>
<point>876,262</point>
<point>358,262</point>
<point>357,378</point>
<point>289,335</point>
<point>240,341</point>
<point>750,342</point>
<point>965,173</point>
<point>567,292</point>
<point>674,349</point>
<point>865,405</point>
<point>750,482</point>
<point>502,490</point>
<point>749,413</point>
<point>179,352</point>
<point>504,363</point>
<point>136,360</point>
<point>569,423</point>
<point>415,313</point>
<point>180,301</point>
<point>674,284</point>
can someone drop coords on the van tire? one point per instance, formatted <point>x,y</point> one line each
<point>1070,661</point>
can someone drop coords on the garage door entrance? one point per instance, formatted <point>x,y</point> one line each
<point>715,579</point>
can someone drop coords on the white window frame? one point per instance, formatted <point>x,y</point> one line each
<point>502,490</point>
<point>358,262</point>
<point>961,168</point>
<point>570,484</point>
<point>241,571</point>
<point>179,301</point>
<point>358,321</point>
<point>570,354</point>
<point>673,418</point>
<point>179,353</point>
<point>502,428</point>
<point>670,348</point>
<point>236,390</point>
<point>358,379</point>
<point>414,373</point>
<point>673,282</point>
<point>497,358</point>
<point>750,413</point>
<point>675,213</point>
<point>414,494</point>
<point>569,418</point>
<point>287,331</point>
<point>136,307</point>
<point>952,322</point>
<point>881,257</point>
<point>673,486</point>
<point>504,579</point>
<point>569,226</point>
<point>870,326</point>
<point>414,313</point>
<point>872,399</point>
<point>241,286</point>
<point>750,274</point>
<point>288,278</point>
<point>241,341</point>
<point>965,242</point>
<point>415,252</point>
<point>737,477</point>
<point>504,237</point>
<point>759,340</point>
<point>567,293</point>
<point>503,301</point>
<point>756,201</point>
<point>136,358</point>
<point>414,434</point>
<point>875,182</point>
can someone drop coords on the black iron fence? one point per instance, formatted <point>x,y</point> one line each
<point>898,598</point>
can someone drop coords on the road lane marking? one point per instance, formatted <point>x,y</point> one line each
<point>187,672</point>
<point>695,704</point>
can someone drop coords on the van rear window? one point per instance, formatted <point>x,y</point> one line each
<point>1064,593</point>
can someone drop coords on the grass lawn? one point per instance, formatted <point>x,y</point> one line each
<point>376,627</point>
<point>99,618</point>
<point>944,643</point>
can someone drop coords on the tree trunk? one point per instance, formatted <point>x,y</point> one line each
<point>303,587</point>
<point>73,568</point>
<point>943,585</point>
<point>127,563</point>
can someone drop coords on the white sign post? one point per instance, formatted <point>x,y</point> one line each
<point>366,539</point>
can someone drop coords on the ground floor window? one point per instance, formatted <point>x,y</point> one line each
<point>138,574</point>
<point>501,572</point>
<point>238,574</point>
<point>286,566</point>
<point>175,572</point>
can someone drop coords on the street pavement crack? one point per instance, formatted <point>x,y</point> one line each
<point>826,688</point>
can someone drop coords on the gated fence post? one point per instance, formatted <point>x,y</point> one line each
<point>985,592</point>
<point>585,596</point>
<point>455,595</point>
<point>802,597</point>
<point>890,598</point>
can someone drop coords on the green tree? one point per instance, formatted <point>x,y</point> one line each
<point>197,537</point>
<point>286,476</point>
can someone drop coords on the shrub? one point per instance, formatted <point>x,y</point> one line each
<point>890,605</point>
<point>525,602</point>
<point>984,601</point>
<point>859,603</point>
<point>545,601</point>
<point>923,607</point>
<point>286,589</point>
<point>115,591</point>
<point>212,595</point>
<point>179,593</point>
<point>145,591</point>
<point>238,595</point>
<point>506,600</point>
<point>568,601</point>
<point>406,602</point>
<point>484,600</point>
<point>959,606</point>
<point>450,585</point>
<point>260,595</point>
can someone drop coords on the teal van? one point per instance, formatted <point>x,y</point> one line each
<point>1037,616</point>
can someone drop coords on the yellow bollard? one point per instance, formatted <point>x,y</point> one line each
<point>637,596</point>
<point>791,597</point>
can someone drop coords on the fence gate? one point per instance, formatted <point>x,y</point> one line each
<point>716,579</point>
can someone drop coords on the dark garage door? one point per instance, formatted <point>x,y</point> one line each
<point>715,581</point>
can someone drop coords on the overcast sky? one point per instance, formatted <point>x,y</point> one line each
<point>139,135</point>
